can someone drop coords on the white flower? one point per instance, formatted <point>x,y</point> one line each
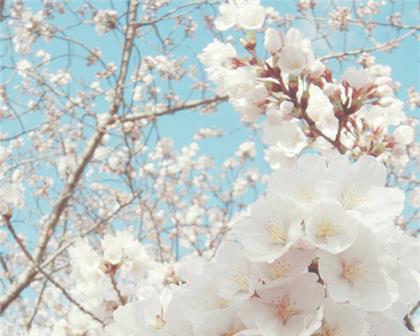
<point>105,20</point>
<point>154,305</point>
<point>404,134</point>
<point>295,38</point>
<point>251,14</point>
<point>330,228</point>
<point>250,112</point>
<point>238,83</point>
<point>129,320</point>
<point>232,272</point>
<point>246,150</point>
<point>277,159</point>
<point>247,14</point>
<point>382,117</point>
<point>360,186</point>
<point>273,40</point>
<point>190,267</point>
<point>11,196</point>
<point>202,306</point>
<point>217,54</point>
<point>292,263</point>
<point>357,78</point>
<point>304,182</point>
<point>228,15</point>
<point>343,320</point>
<point>113,246</point>
<point>316,69</point>
<point>272,228</point>
<point>137,93</point>
<point>320,109</point>
<point>292,60</point>
<point>277,114</point>
<point>79,323</point>
<point>23,67</point>
<point>60,77</point>
<point>356,276</point>
<point>287,137</point>
<point>287,308</point>
<point>382,325</point>
<point>176,323</point>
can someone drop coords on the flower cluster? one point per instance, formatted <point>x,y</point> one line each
<point>105,21</point>
<point>246,14</point>
<point>28,27</point>
<point>102,281</point>
<point>109,226</point>
<point>11,190</point>
<point>305,106</point>
<point>318,254</point>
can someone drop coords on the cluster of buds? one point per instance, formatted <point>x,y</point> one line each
<point>292,88</point>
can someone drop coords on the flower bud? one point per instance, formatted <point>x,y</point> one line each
<point>316,69</point>
<point>286,107</point>
<point>404,134</point>
<point>273,40</point>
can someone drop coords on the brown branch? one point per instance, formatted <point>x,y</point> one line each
<point>380,46</point>
<point>67,295</point>
<point>121,297</point>
<point>2,3</point>
<point>172,110</point>
<point>37,305</point>
<point>73,181</point>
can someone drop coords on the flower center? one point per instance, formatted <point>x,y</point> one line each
<point>159,323</point>
<point>219,304</point>
<point>328,331</point>
<point>277,234</point>
<point>352,271</point>
<point>280,269</point>
<point>285,309</point>
<point>231,332</point>
<point>352,198</point>
<point>307,195</point>
<point>240,278</point>
<point>326,228</point>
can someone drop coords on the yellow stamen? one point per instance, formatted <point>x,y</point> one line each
<point>277,233</point>
<point>240,278</point>
<point>285,309</point>
<point>352,198</point>
<point>307,195</point>
<point>352,271</point>
<point>326,228</point>
<point>280,269</point>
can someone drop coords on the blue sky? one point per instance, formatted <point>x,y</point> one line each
<point>403,60</point>
<point>181,127</point>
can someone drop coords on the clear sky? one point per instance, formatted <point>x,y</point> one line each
<point>181,127</point>
<point>404,62</point>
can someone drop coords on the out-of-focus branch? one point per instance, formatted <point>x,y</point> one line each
<point>67,295</point>
<point>380,46</point>
<point>172,110</point>
<point>2,3</point>
<point>37,305</point>
<point>73,181</point>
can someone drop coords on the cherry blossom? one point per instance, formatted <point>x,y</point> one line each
<point>247,14</point>
<point>111,224</point>
<point>356,275</point>
<point>267,234</point>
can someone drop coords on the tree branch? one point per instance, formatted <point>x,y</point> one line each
<point>172,110</point>
<point>63,200</point>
